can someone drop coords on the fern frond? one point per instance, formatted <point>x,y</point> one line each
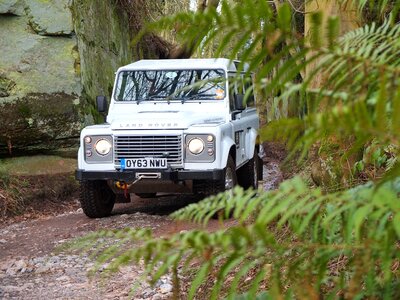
<point>319,226</point>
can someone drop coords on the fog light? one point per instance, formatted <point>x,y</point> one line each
<point>210,152</point>
<point>88,139</point>
<point>210,138</point>
<point>88,153</point>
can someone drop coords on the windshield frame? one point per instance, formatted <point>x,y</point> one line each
<point>224,80</point>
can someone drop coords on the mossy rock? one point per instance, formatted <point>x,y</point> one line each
<point>39,122</point>
<point>104,39</point>
<point>50,17</point>
<point>14,7</point>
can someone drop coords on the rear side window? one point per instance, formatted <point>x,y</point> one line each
<point>242,85</point>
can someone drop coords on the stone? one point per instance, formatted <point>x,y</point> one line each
<point>54,260</point>
<point>47,83</point>
<point>42,269</point>
<point>51,17</point>
<point>13,7</point>
<point>166,288</point>
<point>11,289</point>
<point>11,272</point>
<point>157,284</point>
<point>64,278</point>
<point>13,267</point>
<point>157,297</point>
<point>148,293</point>
<point>3,241</point>
<point>38,89</point>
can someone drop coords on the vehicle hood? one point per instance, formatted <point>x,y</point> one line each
<point>165,120</point>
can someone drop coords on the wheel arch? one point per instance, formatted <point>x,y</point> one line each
<point>228,149</point>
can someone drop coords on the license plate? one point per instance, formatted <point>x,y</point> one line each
<point>144,163</point>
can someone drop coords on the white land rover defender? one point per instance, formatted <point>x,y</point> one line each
<point>177,126</point>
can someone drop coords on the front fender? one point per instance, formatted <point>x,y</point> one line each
<point>226,146</point>
<point>80,158</point>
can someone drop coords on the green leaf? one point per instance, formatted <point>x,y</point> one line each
<point>284,17</point>
<point>359,218</point>
<point>199,279</point>
<point>396,224</point>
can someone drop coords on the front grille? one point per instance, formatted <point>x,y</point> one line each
<point>149,146</point>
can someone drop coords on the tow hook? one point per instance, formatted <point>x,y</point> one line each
<point>124,186</point>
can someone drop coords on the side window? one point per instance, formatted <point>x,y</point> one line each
<point>242,86</point>
<point>248,86</point>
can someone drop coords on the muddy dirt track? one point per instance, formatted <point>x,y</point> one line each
<point>31,269</point>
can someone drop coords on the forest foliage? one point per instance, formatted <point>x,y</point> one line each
<point>297,241</point>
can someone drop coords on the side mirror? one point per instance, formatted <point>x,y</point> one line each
<point>239,103</point>
<point>102,105</point>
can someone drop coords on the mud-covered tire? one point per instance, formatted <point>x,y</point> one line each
<point>229,179</point>
<point>146,195</point>
<point>96,198</point>
<point>248,175</point>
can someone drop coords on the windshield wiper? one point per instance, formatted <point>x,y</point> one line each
<point>152,97</point>
<point>196,96</point>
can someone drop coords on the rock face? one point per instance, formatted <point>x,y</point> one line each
<point>56,56</point>
<point>50,17</point>
<point>103,35</point>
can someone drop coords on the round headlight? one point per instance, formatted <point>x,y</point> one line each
<point>103,147</point>
<point>196,145</point>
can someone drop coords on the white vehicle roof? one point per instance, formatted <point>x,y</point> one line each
<point>182,64</point>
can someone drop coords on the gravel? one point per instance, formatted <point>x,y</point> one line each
<point>55,275</point>
<point>67,276</point>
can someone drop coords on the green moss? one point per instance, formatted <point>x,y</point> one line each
<point>39,122</point>
<point>24,110</point>
<point>6,85</point>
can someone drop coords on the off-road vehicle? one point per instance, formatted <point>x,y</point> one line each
<point>174,126</point>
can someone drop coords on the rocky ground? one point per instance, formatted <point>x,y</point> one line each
<point>31,267</point>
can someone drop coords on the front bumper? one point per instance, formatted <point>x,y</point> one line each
<point>168,174</point>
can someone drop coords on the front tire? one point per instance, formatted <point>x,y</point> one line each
<point>230,178</point>
<point>249,174</point>
<point>212,187</point>
<point>96,198</point>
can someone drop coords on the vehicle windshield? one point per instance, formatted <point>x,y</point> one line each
<point>169,85</point>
